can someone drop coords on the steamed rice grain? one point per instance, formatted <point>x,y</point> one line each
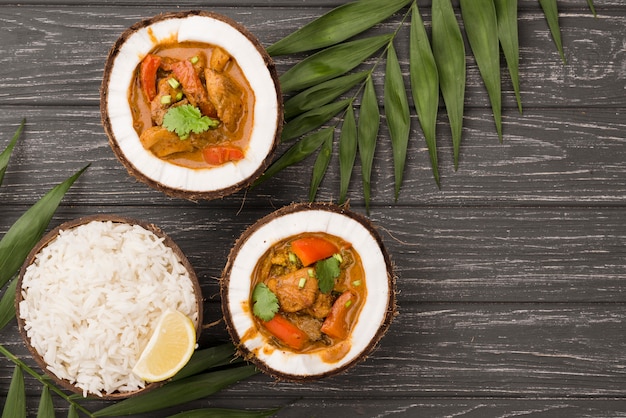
<point>92,296</point>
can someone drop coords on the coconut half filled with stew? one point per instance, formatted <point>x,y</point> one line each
<point>90,295</point>
<point>308,291</point>
<point>191,104</point>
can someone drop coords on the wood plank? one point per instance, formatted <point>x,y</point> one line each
<point>56,55</point>
<point>464,350</point>
<point>561,255</point>
<point>564,5</point>
<point>549,157</point>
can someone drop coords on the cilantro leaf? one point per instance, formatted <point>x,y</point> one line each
<point>185,119</point>
<point>327,271</point>
<point>265,302</point>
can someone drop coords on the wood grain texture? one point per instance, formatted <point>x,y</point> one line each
<point>511,278</point>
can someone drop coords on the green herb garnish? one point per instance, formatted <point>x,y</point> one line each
<point>264,302</point>
<point>327,271</point>
<point>186,119</point>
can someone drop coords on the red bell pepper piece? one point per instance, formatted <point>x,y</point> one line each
<point>336,325</point>
<point>220,154</point>
<point>147,75</point>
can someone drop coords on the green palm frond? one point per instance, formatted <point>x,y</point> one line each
<point>334,79</point>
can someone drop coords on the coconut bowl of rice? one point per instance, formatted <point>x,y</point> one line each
<point>90,294</point>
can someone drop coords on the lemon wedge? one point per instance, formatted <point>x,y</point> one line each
<point>170,347</point>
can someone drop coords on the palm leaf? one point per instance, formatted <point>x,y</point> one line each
<point>506,11</point>
<point>320,166</point>
<point>6,154</point>
<point>321,94</point>
<point>224,413</point>
<point>397,114</point>
<point>330,63</point>
<point>481,27</point>
<point>206,358</point>
<point>312,119</point>
<point>551,12</point>
<point>15,405</point>
<point>179,392</point>
<point>424,87</point>
<point>347,152</point>
<point>46,407</point>
<point>298,152</point>
<point>593,9</point>
<point>449,53</point>
<point>367,131</point>
<point>7,304</point>
<point>28,229</point>
<point>72,412</point>
<point>337,25</point>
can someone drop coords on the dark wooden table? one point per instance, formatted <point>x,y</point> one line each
<point>511,278</point>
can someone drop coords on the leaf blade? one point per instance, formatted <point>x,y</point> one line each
<point>424,80</point>
<point>321,166</point>
<point>204,359</point>
<point>179,392</point>
<point>481,27</point>
<point>337,25</point>
<point>449,53</point>
<point>592,8</point>
<point>367,132</point>
<point>224,413</point>
<point>15,406</point>
<point>321,94</point>
<point>28,229</point>
<point>330,63</point>
<point>551,12</point>
<point>347,152</point>
<point>5,156</point>
<point>46,407</point>
<point>312,119</point>
<point>506,12</point>
<point>72,412</point>
<point>296,153</point>
<point>7,304</point>
<point>397,114</point>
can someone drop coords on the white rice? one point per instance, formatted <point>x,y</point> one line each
<point>91,298</point>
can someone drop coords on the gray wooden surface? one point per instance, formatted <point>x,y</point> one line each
<point>511,278</point>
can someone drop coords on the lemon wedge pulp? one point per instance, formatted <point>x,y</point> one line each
<point>170,347</point>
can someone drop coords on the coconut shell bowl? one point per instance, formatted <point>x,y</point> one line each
<point>90,293</point>
<point>191,104</point>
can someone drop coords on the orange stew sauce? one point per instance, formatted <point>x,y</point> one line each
<point>205,77</point>
<point>308,319</point>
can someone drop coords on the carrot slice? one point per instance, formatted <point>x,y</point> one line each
<point>286,332</point>
<point>220,154</point>
<point>147,75</point>
<point>312,249</point>
<point>336,325</point>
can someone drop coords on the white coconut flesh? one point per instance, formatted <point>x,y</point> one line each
<point>373,317</point>
<point>198,28</point>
